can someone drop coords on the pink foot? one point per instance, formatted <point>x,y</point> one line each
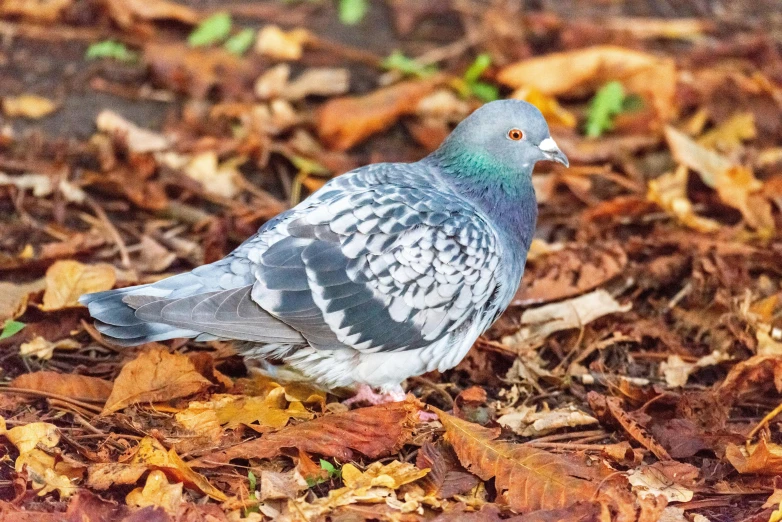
<point>365,393</point>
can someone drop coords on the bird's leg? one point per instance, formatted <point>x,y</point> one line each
<point>365,393</point>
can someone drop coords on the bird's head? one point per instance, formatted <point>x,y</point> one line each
<point>502,140</point>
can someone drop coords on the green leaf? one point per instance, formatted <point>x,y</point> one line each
<point>484,91</point>
<point>10,328</point>
<point>214,29</point>
<point>352,12</point>
<point>110,49</point>
<point>240,42</point>
<point>399,62</point>
<point>251,478</point>
<point>329,467</point>
<point>632,103</point>
<point>607,103</point>
<point>474,71</point>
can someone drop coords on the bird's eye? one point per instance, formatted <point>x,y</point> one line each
<point>515,134</point>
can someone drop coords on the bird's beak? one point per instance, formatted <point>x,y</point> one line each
<point>552,152</point>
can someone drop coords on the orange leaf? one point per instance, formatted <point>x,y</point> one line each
<point>80,387</point>
<point>155,375</point>
<point>375,431</point>
<point>344,122</point>
<point>527,479</point>
<point>763,458</point>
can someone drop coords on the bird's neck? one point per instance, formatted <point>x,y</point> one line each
<point>506,196</point>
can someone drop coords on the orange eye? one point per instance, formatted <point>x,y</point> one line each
<point>515,134</point>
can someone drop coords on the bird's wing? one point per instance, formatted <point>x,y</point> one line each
<point>384,261</point>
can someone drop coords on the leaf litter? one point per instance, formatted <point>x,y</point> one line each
<point>635,377</point>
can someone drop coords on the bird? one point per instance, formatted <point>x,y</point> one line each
<point>389,271</point>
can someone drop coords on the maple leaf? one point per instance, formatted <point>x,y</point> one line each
<point>526,478</point>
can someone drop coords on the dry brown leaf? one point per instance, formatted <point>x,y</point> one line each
<point>280,485</point>
<point>590,68</point>
<point>611,408</point>
<point>138,139</point>
<point>153,455</point>
<point>155,375</point>
<point>157,492</point>
<point>671,479</point>
<point>763,458</point>
<point>46,11</point>
<point>528,422</point>
<point>14,297</point>
<point>526,478</point>
<point>376,484</point>
<point>734,183</point>
<point>758,374</point>
<point>731,133</point>
<point>446,476</point>
<point>669,191</point>
<point>80,387</point>
<point>221,179</point>
<point>28,106</point>
<point>42,349</point>
<point>103,475</point>
<point>68,280</point>
<point>375,431</point>
<point>344,122</point>
<point>125,12</point>
<point>538,323</point>
<point>570,271</point>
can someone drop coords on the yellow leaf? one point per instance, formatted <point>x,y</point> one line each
<point>730,133</point>
<point>280,45</point>
<point>28,106</point>
<point>157,492</point>
<point>103,475</point>
<point>40,465</point>
<point>155,375</point>
<point>153,455</point>
<point>669,191</point>
<point>43,349</point>
<point>67,280</point>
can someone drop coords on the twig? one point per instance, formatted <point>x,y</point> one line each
<point>112,230</point>
<point>768,418</point>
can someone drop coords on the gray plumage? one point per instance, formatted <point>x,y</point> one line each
<point>388,271</point>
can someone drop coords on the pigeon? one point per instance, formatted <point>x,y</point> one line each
<point>389,271</point>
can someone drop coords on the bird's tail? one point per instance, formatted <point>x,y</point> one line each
<point>116,318</point>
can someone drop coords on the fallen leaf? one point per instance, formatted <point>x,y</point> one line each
<point>28,106</point>
<point>68,280</point>
<point>280,485</point>
<point>669,191</point>
<point>41,467</point>
<point>79,387</point>
<point>345,122</point>
<point>539,323</point>
<point>446,477</point>
<point>272,411</point>
<point>138,139</point>
<point>656,480</point>
<point>527,479</point>
<point>756,375</point>
<point>376,484</point>
<point>315,81</point>
<point>153,257</point>
<point>153,455</point>
<point>730,134</point>
<point>374,431</point>
<point>281,45</point>
<point>103,475</point>
<point>46,11</point>
<point>14,297</point>
<point>528,422</point>
<point>611,408</point>
<point>221,179</point>
<point>157,492</point>
<point>211,30</point>
<point>155,375</point>
<point>43,349</point>
<point>763,458</point>
<point>42,185</point>
<point>639,72</point>
<point>734,183</point>
<point>126,12</point>
<point>569,271</point>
